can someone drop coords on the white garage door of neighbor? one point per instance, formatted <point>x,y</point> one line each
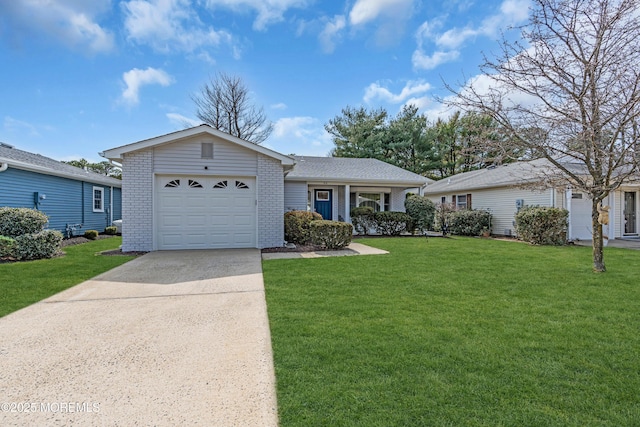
<point>581,227</point>
<point>195,212</point>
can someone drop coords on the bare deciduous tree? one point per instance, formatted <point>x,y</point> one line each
<point>569,91</point>
<point>225,104</point>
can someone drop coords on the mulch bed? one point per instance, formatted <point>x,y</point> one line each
<point>297,248</point>
<point>81,239</point>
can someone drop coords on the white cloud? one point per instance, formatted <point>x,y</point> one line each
<point>331,33</point>
<point>300,135</point>
<point>448,43</point>
<point>70,22</point>
<point>365,11</point>
<point>269,11</point>
<point>182,121</point>
<point>168,25</point>
<point>136,78</point>
<point>278,106</point>
<point>411,89</point>
<point>422,61</point>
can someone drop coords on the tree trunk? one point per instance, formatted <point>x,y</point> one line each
<point>598,256</point>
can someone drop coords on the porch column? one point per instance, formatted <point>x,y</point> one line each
<point>568,193</point>
<point>347,201</point>
<point>611,228</point>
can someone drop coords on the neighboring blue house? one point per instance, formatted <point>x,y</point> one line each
<point>67,194</point>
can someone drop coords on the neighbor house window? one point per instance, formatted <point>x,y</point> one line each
<point>443,199</point>
<point>462,201</point>
<point>98,199</point>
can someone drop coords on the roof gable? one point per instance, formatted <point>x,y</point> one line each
<point>25,160</point>
<point>117,153</point>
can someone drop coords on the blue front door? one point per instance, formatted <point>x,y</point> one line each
<point>322,203</point>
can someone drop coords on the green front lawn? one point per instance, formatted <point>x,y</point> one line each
<point>24,283</point>
<point>457,332</point>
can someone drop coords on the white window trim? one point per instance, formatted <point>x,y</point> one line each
<point>93,199</point>
<point>380,201</point>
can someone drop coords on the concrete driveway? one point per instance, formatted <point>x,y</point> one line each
<point>170,338</point>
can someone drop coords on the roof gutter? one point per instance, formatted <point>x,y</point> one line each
<point>4,166</point>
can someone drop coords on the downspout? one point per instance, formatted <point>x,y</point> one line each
<point>82,202</point>
<point>111,205</point>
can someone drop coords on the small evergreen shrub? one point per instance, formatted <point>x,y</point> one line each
<point>542,225</point>
<point>390,223</point>
<point>17,221</point>
<point>91,234</point>
<point>296,226</point>
<point>468,222</point>
<point>6,246</point>
<point>362,219</point>
<point>422,212</point>
<point>331,234</point>
<point>40,245</point>
<point>111,230</point>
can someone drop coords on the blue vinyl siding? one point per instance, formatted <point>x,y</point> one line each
<point>117,203</point>
<point>67,201</point>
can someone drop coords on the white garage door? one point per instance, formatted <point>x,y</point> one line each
<point>581,217</point>
<point>205,212</point>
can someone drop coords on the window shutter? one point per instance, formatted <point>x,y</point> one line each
<point>453,200</point>
<point>469,201</point>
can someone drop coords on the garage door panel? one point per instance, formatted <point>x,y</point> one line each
<point>205,217</point>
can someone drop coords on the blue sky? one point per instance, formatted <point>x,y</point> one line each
<point>79,77</point>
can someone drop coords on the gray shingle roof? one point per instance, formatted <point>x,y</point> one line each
<point>352,170</point>
<point>24,160</point>
<point>499,176</point>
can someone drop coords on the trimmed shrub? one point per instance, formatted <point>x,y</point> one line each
<point>40,245</point>
<point>91,234</point>
<point>6,246</point>
<point>422,212</point>
<point>542,225</point>
<point>111,230</point>
<point>18,221</point>
<point>468,222</point>
<point>296,226</point>
<point>390,223</point>
<point>362,219</point>
<point>330,234</point>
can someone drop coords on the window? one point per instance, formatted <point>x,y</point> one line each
<point>221,184</point>
<point>322,196</point>
<point>194,184</point>
<point>241,185</point>
<point>443,199</point>
<point>173,184</point>
<point>377,201</point>
<point>461,201</point>
<point>98,199</point>
<point>206,150</point>
<point>576,195</point>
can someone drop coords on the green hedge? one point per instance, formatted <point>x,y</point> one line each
<point>111,230</point>
<point>468,222</point>
<point>296,226</point>
<point>390,223</point>
<point>40,245</point>
<point>542,225</point>
<point>422,212</point>
<point>6,246</point>
<point>330,234</point>
<point>17,221</point>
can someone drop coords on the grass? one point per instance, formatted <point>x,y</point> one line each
<point>457,332</point>
<point>24,283</point>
